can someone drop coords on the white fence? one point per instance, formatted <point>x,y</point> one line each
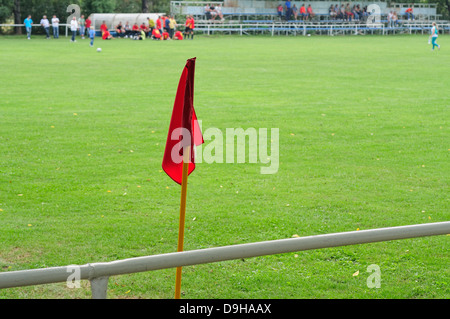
<point>98,273</point>
<point>323,28</point>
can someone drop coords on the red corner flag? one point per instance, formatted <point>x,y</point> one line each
<point>184,130</point>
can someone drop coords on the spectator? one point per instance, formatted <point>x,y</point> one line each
<point>88,25</point>
<point>46,25</point>
<point>303,14</point>
<point>213,11</point>
<point>409,13</point>
<point>55,25</point>
<point>28,23</point>
<point>218,9</point>
<point>82,25</point>
<point>348,12</point>
<point>332,12</point>
<point>365,14</point>
<point>389,19</point>
<point>128,31</point>
<point>358,12</point>
<point>310,12</point>
<point>394,19</point>
<point>337,11</point>
<point>341,13</point>
<point>207,11</point>
<point>288,10</point>
<point>280,11</point>
<point>355,13</point>
<point>120,30</point>
<point>73,28</point>
<point>91,36</point>
<point>295,12</point>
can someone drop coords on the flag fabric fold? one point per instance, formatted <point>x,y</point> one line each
<point>184,130</point>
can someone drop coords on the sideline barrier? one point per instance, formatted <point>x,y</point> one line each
<point>98,273</point>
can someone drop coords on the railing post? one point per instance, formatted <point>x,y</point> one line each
<point>99,287</point>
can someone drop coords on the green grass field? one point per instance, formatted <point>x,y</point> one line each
<point>363,140</point>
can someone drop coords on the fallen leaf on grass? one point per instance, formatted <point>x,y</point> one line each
<point>356,273</point>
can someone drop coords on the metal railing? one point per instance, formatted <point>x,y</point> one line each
<point>98,273</point>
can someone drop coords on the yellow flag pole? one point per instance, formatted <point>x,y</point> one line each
<point>186,159</point>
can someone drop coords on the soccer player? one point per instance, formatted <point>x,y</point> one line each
<point>165,35</point>
<point>178,35</point>
<point>189,30</point>
<point>434,36</point>
<point>120,30</point>
<point>156,34</point>
<point>135,30</point>
<point>158,25</point>
<point>107,35</point>
<point>28,23</point>
<point>103,27</point>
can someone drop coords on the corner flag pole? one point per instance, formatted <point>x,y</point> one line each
<point>182,217</point>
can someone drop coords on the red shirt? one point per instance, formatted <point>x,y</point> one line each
<point>158,23</point>
<point>192,24</point>
<point>409,10</point>
<point>165,35</point>
<point>179,35</point>
<point>302,10</point>
<point>105,35</point>
<point>156,33</point>
<point>135,27</point>
<point>103,27</point>
<point>88,23</point>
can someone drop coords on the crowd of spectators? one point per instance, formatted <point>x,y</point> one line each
<point>213,11</point>
<point>164,28</point>
<point>348,12</point>
<point>344,12</point>
<point>80,25</point>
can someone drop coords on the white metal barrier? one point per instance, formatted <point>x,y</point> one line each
<point>98,273</point>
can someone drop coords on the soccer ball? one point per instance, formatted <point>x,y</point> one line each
<point>99,49</point>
